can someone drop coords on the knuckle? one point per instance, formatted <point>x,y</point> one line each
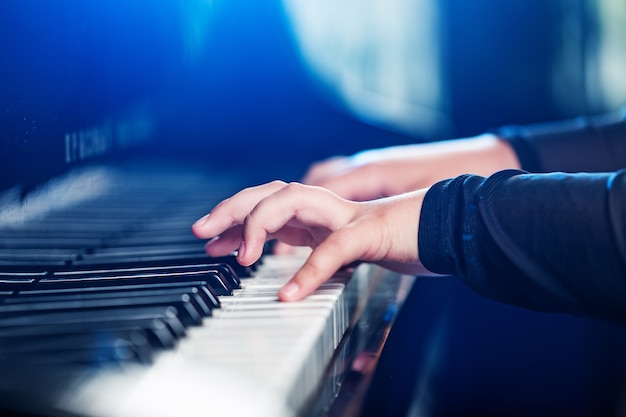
<point>294,186</point>
<point>278,183</point>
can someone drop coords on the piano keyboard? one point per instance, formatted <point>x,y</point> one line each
<point>109,307</point>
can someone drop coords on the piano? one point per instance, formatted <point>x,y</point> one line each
<point>121,123</point>
<point>110,307</point>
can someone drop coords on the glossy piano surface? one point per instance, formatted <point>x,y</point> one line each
<point>109,307</point>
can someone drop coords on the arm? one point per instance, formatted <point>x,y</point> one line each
<point>591,144</point>
<point>553,242</point>
<point>398,169</point>
<point>584,144</point>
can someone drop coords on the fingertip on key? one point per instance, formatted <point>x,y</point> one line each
<point>289,292</point>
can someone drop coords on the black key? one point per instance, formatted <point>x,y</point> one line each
<point>29,257</point>
<point>13,281</point>
<point>143,275</point>
<point>129,295</point>
<point>127,317</point>
<point>186,306</point>
<point>205,290</point>
<point>121,250</point>
<point>228,274</point>
<point>152,240</point>
<point>240,270</point>
<point>94,347</point>
<point>122,262</point>
<point>47,242</point>
<point>156,329</point>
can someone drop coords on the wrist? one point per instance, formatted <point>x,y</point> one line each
<point>500,152</point>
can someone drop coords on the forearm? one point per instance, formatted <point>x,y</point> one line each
<point>552,242</point>
<point>585,144</point>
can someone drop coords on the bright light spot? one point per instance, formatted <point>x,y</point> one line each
<point>380,57</point>
<point>62,192</point>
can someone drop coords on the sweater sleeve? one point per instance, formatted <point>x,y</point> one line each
<point>584,144</point>
<point>551,242</point>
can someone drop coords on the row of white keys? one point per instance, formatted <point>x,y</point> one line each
<point>284,346</point>
<point>254,356</point>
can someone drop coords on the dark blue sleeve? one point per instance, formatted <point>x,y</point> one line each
<point>551,242</point>
<point>584,144</point>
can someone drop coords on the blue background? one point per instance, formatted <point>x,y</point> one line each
<point>225,78</point>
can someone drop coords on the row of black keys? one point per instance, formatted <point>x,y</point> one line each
<point>99,317</point>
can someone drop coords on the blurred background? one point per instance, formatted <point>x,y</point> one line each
<point>290,81</point>
<point>269,86</point>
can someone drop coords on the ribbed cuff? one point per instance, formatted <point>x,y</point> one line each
<point>437,224</point>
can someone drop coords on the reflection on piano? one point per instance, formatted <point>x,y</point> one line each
<point>109,307</point>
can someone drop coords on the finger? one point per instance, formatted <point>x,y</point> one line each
<point>346,185</point>
<point>282,248</point>
<point>307,206</point>
<point>299,236</point>
<point>339,249</point>
<point>231,240</point>
<point>225,243</point>
<point>233,210</point>
<point>359,183</point>
<point>294,205</point>
<point>324,169</point>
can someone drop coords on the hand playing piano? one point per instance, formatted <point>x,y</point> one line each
<point>394,170</point>
<point>340,231</point>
